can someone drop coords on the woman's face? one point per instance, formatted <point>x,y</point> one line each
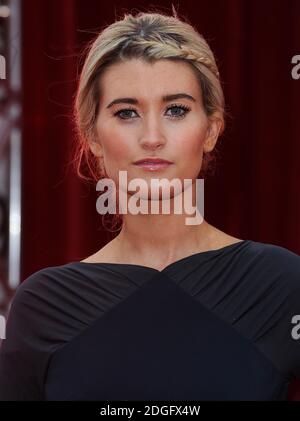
<point>136,122</point>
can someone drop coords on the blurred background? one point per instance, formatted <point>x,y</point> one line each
<point>48,215</point>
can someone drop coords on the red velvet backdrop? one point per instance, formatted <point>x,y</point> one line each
<point>255,193</point>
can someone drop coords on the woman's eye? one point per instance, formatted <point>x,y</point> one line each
<point>125,112</point>
<point>180,112</point>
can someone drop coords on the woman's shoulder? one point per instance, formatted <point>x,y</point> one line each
<point>276,259</point>
<point>52,290</point>
<point>71,275</point>
<point>275,323</point>
<point>52,305</point>
<point>45,282</point>
<point>71,294</point>
<point>273,249</point>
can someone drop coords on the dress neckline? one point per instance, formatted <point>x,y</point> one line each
<point>171,265</point>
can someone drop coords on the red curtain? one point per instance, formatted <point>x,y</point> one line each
<point>255,192</point>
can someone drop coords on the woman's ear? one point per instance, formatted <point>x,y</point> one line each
<point>215,124</point>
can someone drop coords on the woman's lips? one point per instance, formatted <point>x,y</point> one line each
<point>153,163</point>
<point>153,166</point>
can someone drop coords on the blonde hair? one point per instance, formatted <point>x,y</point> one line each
<point>148,36</point>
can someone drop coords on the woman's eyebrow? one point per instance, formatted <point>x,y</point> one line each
<point>165,98</point>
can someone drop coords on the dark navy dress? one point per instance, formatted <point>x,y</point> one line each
<point>216,325</point>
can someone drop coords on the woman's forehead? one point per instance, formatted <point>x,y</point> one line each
<point>155,80</point>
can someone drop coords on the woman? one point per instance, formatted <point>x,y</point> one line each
<point>166,310</point>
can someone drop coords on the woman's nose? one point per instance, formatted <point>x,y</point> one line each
<point>152,134</point>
